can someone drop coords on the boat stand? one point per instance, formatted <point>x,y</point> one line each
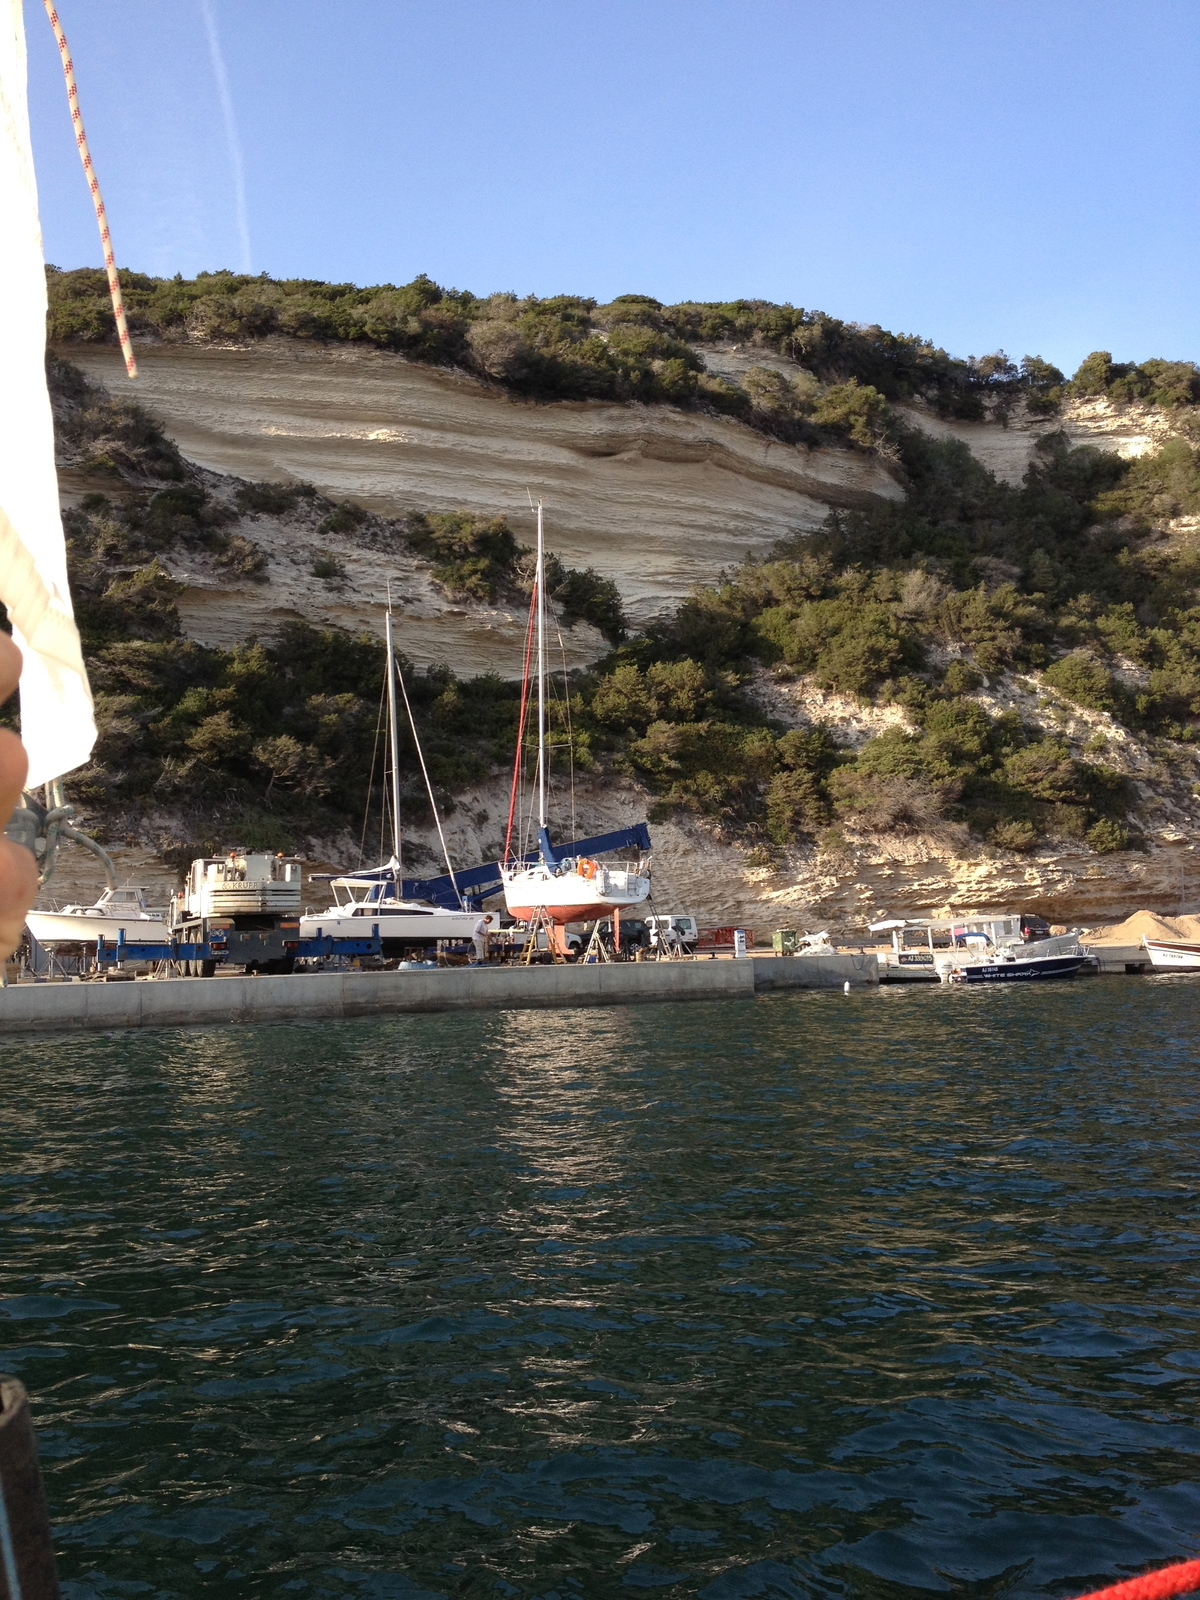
<point>596,950</point>
<point>540,923</point>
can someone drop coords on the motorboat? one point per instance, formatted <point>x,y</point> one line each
<point>981,961</point>
<point>920,946</point>
<point>1172,955</point>
<point>558,889</point>
<point>116,910</point>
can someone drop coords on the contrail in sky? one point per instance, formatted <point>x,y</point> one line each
<point>231,133</point>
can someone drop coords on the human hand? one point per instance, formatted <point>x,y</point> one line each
<point>18,870</point>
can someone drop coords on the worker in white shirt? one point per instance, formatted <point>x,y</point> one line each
<point>480,939</point>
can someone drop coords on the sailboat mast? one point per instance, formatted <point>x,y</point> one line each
<point>393,740</point>
<point>541,671</point>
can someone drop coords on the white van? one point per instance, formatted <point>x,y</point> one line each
<point>678,930</point>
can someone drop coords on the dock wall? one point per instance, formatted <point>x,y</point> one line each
<point>313,996</point>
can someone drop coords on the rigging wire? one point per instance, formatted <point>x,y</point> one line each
<point>518,758</point>
<point>362,842</point>
<point>428,785</point>
<point>570,729</point>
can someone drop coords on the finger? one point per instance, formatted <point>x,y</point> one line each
<point>18,891</point>
<point>10,666</point>
<point>13,769</point>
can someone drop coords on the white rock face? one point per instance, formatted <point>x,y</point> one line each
<point>655,498</point>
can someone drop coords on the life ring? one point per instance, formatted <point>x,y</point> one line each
<point>587,869</point>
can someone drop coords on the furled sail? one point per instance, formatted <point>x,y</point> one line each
<point>57,724</point>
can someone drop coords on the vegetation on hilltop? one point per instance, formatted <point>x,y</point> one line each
<point>569,347</point>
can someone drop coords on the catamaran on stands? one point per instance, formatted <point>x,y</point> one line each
<point>364,900</point>
<point>568,889</point>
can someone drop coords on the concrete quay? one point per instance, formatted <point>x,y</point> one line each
<point>318,996</point>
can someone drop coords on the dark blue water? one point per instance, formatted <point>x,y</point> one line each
<point>882,1295</point>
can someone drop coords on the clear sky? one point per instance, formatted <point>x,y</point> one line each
<point>1022,174</point>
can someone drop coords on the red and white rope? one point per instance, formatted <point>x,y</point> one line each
<point>89,171</point>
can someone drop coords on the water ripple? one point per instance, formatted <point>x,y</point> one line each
<point>885,1295</point>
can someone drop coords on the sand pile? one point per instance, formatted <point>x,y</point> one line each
<point>1147,925</point>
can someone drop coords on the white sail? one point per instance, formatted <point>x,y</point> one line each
<point>57,724</point>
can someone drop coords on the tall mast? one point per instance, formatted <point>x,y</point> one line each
<point>393,740</point>
<point>541,674</point>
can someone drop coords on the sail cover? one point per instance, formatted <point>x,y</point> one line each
<point>57,725</point>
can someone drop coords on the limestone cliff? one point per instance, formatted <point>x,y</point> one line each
<point>658,499</point>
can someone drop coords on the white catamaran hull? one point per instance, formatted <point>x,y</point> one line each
<point>416,926</point>
<point>1173,955</point>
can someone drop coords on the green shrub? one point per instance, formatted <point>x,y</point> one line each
<point>242,558</point>
<point>267,497</point>
<point>1107,836</point>
<point>327,567</point>
<point>1082,679</point>
<point>584,596</point>
<point>473,557</point>
<point>856,410</point>
<point>960,678</point>
<point>344,518</point>
<point>1017,834</point>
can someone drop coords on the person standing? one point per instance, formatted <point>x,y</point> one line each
<point>480,939</point>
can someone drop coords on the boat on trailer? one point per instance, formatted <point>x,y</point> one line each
<point>116,910</point>
<point>559,889</point>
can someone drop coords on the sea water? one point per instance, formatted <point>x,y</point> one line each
<point>882,1295</point>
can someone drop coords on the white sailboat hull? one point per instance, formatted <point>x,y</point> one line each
<point>571,897</point>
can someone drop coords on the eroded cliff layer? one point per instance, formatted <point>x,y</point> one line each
<point>655,498</point>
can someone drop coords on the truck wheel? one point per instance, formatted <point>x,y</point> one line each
<point>207,969</point>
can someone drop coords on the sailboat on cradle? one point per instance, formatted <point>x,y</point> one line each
<point>376,895</point>
<point>569,889</point>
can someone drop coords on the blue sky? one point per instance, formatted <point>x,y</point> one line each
<point>990,173</point>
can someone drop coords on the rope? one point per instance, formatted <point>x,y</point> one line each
<point>412,722</point>
<point>89,172</point>
<point>1182,1578</point>
<point>517,759</point>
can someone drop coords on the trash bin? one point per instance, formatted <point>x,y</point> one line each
<point>783,941</point>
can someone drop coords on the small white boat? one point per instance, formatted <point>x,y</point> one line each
<point>1173,955</point>
<point>567,890</point>
<point>115,909</point>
